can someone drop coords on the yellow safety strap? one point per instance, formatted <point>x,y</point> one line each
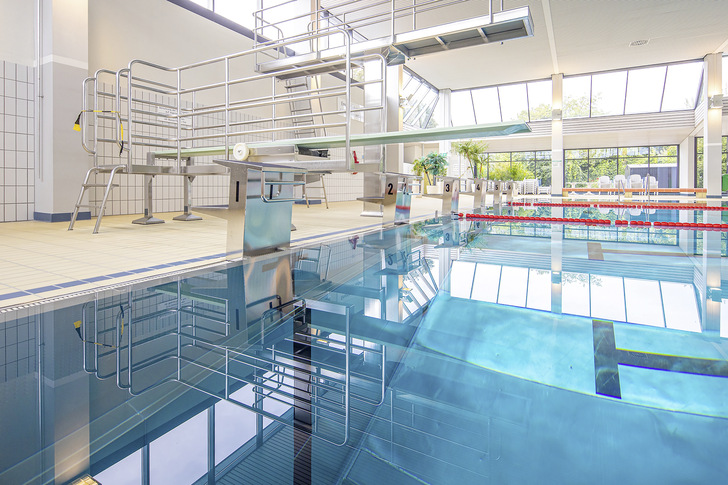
<point>77,123</point>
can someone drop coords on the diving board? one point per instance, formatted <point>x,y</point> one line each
<point>309,146</point>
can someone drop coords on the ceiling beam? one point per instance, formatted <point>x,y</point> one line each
<point>550,32</point>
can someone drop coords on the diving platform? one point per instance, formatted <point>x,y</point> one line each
<point>318,147</point>
<point>498,27</point>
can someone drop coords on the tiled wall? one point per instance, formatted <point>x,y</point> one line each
<point>17,125</point>
<point>128,198</point>
<point>17,344</point>
<point>168,190</point>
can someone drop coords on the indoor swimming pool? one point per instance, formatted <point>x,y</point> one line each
<point>531,346</point>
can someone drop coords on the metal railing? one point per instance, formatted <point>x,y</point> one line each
<point>160,108</point>
<point>357,16</point>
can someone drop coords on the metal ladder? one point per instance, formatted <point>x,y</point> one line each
<point>315,260</point>
<point>301,108</point>
<point>112,171</point>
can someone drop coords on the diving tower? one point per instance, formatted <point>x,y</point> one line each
<point>270,104</point>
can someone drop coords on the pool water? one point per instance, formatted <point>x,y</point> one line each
<point>467,350</point>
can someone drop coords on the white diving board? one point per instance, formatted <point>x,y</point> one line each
<point>242,151</point>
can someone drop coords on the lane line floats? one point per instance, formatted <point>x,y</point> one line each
<point>596,222</point>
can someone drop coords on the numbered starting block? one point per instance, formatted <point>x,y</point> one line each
<point>396,199</point>
<point>476,188</point>
<point>450,196</point>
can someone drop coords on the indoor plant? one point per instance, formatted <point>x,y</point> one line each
<point>474,152</point>
<point>430,166</point>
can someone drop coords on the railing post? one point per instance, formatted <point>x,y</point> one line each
<point>347,39</point>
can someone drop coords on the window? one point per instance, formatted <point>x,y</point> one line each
<point>699,157</point>
<point>608,92</point>
<point>461,106</point>
<point>238,12</point>
<point>421,101</point>
<point>539,100</point>
<point>682,86</point>
<point>583,168</point>
<point>519,166</point>
<point>514,103</point>
<point>487,105</point>
<point>511,102</point>
<point>644,90</point>
<point>577,93</point>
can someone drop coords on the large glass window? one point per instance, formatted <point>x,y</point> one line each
<point>680,78</point>
<point>539,100</point>
<point>237,11</point>
<point>420,100</point>
<point>514,102</point>
<point>487,105</point>
<point>644,90</point>
<point>461,105</point>
<point>511,102</point>
<point>608,91</point>
<point>519,166</point>
<point>699,157</point>
<point>641,90</point>
<point>577,93</point>
<point>598,166</point>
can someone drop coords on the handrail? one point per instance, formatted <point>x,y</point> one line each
<point>263,184</point>
<point>84,106</point>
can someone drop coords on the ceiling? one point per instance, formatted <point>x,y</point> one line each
<point>577,36</point>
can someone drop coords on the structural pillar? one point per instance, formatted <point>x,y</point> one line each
<point>446,146</point>
<point>686,177</point>
<point>63,67</point>
<point>388,119</point>
<point>712,123</point>
<point>557,135</point>
<point>712,242</point>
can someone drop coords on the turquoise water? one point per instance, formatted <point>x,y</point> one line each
<point>437,352</point>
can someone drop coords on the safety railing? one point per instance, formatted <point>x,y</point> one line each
<point>366,19</point>
<point>218,102</point>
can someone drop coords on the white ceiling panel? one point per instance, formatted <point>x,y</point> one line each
<point>588,36</point>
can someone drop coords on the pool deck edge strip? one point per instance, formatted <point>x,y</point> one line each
<point>105,278</point>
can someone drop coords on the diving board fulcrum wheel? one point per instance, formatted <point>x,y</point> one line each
<point>241,152</point>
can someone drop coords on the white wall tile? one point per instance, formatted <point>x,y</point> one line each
<point>17,156</point>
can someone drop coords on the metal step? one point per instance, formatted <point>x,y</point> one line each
<point>98,185</point>
<point>112,170</point>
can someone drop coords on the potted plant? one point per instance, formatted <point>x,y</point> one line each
<point>514,171</point>
<point>430,166</point>
<point>474,152</point>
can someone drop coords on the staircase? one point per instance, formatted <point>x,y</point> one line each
<point>302,109</point>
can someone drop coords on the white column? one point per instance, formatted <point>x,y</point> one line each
<point>394,154</point>
<point>686,177</point>
<point>446,146</point>
<point>712,123</point>
<point>64,66</point>
<point>557,135</point>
